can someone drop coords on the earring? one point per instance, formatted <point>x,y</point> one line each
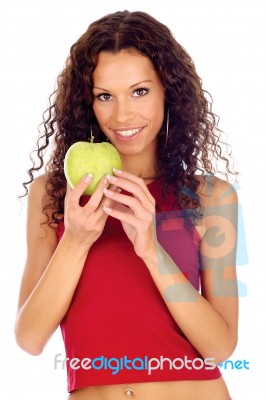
<point>91,133</point>
<point>168,154</point>
<point>167,129</point>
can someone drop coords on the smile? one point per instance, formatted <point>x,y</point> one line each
<point>127,133</point>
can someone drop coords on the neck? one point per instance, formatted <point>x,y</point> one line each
<point>145,169</point>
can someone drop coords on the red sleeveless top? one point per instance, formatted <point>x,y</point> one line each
<point>118,328</point>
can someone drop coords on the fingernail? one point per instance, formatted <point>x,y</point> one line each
<point>88,178</point>
<point>111,178</point>
<point>115,188</point>
<point>107,191</point>
<point>107,209</point>
<point>117,171</point>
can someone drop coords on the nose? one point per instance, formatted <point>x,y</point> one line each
<point>123,111</point>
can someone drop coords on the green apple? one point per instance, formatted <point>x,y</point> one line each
<point>84,158</point>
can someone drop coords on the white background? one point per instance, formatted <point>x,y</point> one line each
<point>227,44</point>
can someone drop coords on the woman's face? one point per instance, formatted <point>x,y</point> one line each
<point>128,101</point>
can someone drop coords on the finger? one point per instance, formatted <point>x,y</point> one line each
<point>129,201</point>
<point>133,178</point>
<point>109,201</point>
<point>68,190</point>
<point>137,189</point>
<point>74,194</point>
<point>99,213</point>
<point>124,214</point>
<point>97,196</point>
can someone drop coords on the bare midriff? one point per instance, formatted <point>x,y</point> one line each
<point>174,390</point>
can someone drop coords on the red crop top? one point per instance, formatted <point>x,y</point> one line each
<point>118,328</point>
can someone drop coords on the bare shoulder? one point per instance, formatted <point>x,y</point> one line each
<point>37,189</point>
<point>215,195</point>
<point>215,191</point>
<point>38,221</point>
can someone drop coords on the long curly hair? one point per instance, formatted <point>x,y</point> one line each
<point>193,134</point>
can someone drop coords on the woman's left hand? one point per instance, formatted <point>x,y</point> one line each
<point>136,212</point>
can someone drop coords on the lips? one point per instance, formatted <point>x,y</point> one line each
<point>126,134</point>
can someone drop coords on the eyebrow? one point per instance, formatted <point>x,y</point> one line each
<point>130,87</point>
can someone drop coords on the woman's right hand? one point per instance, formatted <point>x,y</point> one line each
<point>53,269</point>
<point>84,224</point>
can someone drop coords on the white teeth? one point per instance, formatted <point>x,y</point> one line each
<point>128,133</point>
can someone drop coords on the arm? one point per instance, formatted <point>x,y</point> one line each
<point>209,319</point>
<point>52,272</point>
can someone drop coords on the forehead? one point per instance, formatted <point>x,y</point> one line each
<point>125,65</point>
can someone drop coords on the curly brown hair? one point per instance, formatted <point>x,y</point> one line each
<point>194,137</point>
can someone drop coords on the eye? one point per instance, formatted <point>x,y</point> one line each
<point>103,96</point>
<point>139,92</point>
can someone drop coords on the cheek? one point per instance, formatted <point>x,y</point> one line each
<point>98,112</point>
<point>103,115</point>
<point>156,112</point>
<point>102,112</point>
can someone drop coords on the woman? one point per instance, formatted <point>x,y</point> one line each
<point>134,275</point>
